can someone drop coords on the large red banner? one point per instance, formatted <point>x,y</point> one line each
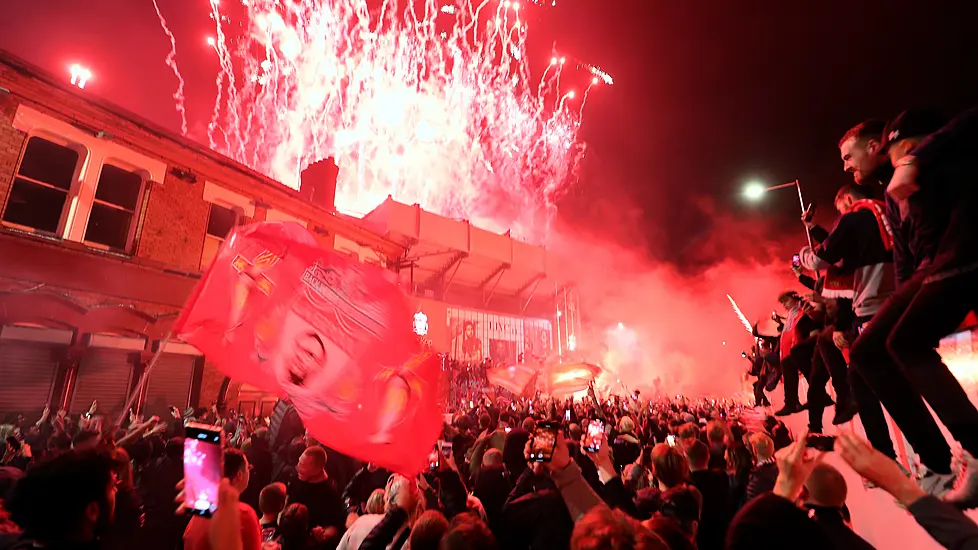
<point>278,312</point>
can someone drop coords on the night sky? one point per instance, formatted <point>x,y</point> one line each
<point>707,96</point>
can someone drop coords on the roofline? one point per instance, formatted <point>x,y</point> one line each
<point>45,77</point>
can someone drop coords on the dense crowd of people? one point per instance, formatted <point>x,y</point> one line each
<point>890,279</point>
<point>669,474</point>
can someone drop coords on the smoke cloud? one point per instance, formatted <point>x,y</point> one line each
<point>647,320</point>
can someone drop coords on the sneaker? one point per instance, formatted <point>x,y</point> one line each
<point>964,495</point>
<point>936,484</point>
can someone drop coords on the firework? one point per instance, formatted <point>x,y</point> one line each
<point>171,62</point>
<point>740,315</point>
<point>432,104</point>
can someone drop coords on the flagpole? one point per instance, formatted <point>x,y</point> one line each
<point>144,377</point>
<point>801,201</point>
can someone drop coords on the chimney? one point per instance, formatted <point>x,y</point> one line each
<point>317,183</point>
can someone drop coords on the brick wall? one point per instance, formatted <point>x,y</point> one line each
<point>174,225</point>
<point>210,387</point>
<point>11,143</point>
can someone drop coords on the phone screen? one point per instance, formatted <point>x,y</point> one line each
<point>796,261</point>
<point>434,459</point>
<point>446,448</point>
<point>567,415</point>
<point>671,440</point>
<point>544,442</point>
<point>202,468</point>
<point>595,432</point>
<point>821,442</point>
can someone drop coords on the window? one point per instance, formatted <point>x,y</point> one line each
<point>112,220</point>
<point>41,186</point>
<point>220,221</point>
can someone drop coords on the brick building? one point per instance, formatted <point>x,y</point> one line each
<point>107,222</point>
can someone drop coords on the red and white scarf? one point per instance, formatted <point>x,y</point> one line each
<point>840,285</point>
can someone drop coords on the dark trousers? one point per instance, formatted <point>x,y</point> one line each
<point>799,361</point>
<point>936,311</point>
<point>875,377</point>
<point>827,361</point>
<point>759,398</point>
<point>833,364</point>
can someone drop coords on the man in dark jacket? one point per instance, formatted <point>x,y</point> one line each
<point>797,327</point>
<point>284,427</point>
<point>370,478</point>
<point>935,185</point>
<point>315,490</point>
<point>885,382</point>
<point>714,485</point>
<point>858,260</point>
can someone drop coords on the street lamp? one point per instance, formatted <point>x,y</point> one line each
<point>755,191</point>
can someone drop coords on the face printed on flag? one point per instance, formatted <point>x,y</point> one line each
<point>278,312</point>
<point>312,369</point>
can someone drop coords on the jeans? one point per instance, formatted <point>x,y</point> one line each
<point>875,377</point>
<point>937,310</point>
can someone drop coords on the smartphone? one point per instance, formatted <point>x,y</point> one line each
<point>796,261</point>
<point>446,448</point>
<point>471,404</point>
<point>544,442</point>
<point>567,415</point>
<point>203,465</point>
<point>820,442</point>
<point>671,440</point>
<point>595,433</point>
<point>434,460</point>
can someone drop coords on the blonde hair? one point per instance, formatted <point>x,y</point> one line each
<point>763,446</point>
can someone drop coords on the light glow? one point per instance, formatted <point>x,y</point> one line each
<point>80,75</point>
<point>754,190</point>
<point>448,118</point>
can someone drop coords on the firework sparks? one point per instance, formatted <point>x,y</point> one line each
<point>433,105</point>
<point>171,62</point>
<point>740,315</point>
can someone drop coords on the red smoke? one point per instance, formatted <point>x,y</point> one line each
<point>680,320</point>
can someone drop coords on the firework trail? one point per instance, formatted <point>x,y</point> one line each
<point>432,103</point>
<point>740,315</point>
<point>171,62</point>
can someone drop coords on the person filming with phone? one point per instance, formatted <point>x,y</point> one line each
<point>237,471</point>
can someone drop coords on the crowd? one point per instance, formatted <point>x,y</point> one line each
<point>670,474</point>
<point>890,279</point>
<point>895,274</point>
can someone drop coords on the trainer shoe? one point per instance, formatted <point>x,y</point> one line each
<point>936,484</point>
<point>964,494</point>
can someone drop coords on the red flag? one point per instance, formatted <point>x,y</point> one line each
<point>280,313</point>
<point>566,378</point>
<point>513,378</point>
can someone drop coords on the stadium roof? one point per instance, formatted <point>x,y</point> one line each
<point>446,253</point>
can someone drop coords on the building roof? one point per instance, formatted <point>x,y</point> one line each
<point>445,252</point>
